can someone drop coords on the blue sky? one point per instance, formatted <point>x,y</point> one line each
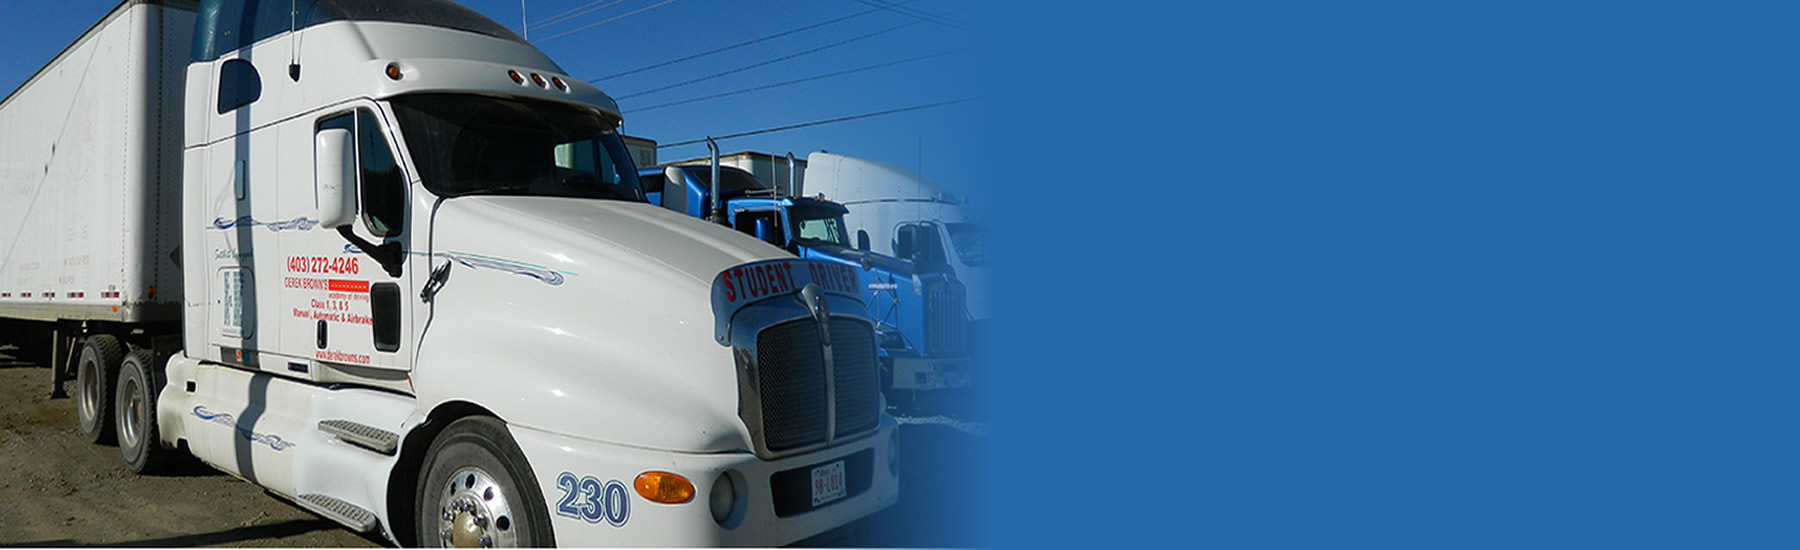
<point>944,143</point>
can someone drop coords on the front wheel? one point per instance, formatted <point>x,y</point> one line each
<point>478,491</point>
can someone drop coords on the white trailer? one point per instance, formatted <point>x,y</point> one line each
<point>642,150</point>
<point>390,262</point>
<point>772,169</point>
<point>89,178</point>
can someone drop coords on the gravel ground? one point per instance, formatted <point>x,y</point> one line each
<point>63,491</point>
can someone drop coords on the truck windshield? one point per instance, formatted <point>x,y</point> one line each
<point>818,225</point>
<point>966,239</point>
<point>465,144</point>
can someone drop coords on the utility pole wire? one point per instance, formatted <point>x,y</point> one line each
<point>584,9</point>
<point>916,14</point>
<point>819,122</point>
<point>741,44</point>
<point>769,62</point>
<point>592,25</point>
<point>795,81</point>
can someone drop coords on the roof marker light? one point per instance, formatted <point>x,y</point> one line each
<point>559,83</point>
<point>393,71</point>
<point>537,80</point>
<point>515,76</point>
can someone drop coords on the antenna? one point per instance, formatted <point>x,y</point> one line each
<point>524,25</point>
<point>921,165</point>
<point>293,41</point>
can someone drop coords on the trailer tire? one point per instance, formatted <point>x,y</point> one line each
<point>138,435</point>
<point>476,483</point>
<point>95,372</point>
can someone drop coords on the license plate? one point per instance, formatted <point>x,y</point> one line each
<point>828,483</point>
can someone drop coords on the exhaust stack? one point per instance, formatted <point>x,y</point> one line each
<point>793,178</point>
<point>718,204</point>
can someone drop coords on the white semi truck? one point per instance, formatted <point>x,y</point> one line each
<point>898,212</point>
<point>391,263</point>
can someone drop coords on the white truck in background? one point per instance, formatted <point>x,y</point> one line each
<point>388,261</point>
<point>898,212</point>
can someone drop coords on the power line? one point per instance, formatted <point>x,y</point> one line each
<point>769,62</point>
<point>795,81</point>
<point>742,44</point>
<point>819,122</point>
<point>579,10</point>
<point>914,13</point>
<point>592,25</point>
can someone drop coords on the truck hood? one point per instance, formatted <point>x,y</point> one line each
<point>603,301</point>
<point>639,234</point>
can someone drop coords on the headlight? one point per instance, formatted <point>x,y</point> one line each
<point>894,453</point>
<point>722,497</point>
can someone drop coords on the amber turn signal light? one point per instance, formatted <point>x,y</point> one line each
<point>664,487</point>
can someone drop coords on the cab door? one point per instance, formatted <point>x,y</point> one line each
<point>347,286</point>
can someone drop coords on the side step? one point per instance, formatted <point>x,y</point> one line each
<point>339,511</point>
<point>362,435</point>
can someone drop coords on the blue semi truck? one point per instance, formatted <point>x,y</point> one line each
<point>920,309</point>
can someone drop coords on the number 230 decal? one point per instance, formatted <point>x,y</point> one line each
<point>590,500</point>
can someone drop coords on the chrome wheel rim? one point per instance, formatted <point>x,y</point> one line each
<point>90,391</point>
<point>131,421</point>
<point>474,512</point>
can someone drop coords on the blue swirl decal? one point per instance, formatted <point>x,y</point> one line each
<point>296,224</point>
<point>227,420</point>
<point>543,274</point>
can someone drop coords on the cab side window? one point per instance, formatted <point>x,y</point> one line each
<point>383,190</point>
<point>239,85</point>
<point>381,195</point>
<point>920,243</point>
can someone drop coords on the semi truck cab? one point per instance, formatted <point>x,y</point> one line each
<point>423,294</point>
<point>919,306</point>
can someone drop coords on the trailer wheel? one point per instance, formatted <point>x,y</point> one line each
<point>138,435</point>
<point>95,372</point>
<point>477,490</point>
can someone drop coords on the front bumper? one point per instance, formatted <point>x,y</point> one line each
<point>926,373</point>
<point>754,521</point>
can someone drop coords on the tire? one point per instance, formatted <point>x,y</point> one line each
<point>138,435</point>
<point>95,373</point>
<point>476,475</point>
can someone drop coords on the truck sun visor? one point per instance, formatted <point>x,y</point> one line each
<point>224,26</point>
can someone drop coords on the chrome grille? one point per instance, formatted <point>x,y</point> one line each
<point>946,317</point>
<point>853,365</point>
<point>791,382</point>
